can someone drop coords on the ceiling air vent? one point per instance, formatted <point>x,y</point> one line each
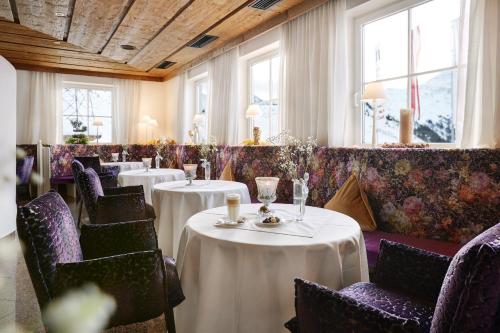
<point>202,41</point>
<point>264,4</point>
<point>166,64</point>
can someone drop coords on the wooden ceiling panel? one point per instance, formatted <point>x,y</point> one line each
<point>49,17</point>
<point>193,21</point>
<point>94,22</point>
<point>5,12</point>
<point>142,22</point>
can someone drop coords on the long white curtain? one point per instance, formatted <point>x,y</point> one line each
<point>314,74</point>
<point>126,111</point>
<point>39,107</point>
<point>478,117</point>
<point>223,99</point>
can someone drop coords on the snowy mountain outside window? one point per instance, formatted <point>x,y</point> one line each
<point>264,91</point>
<point>81,105</point>
<point>414,53</point>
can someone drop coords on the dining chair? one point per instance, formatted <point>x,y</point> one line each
<point>106,205</point>
<point>108,175</point>
<point>24,167</point>
<point>122,259</point>
<point>108,179</point>
<point>413,291</point>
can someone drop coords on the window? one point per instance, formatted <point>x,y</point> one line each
<point>414,53</point>
<point>201,100</point>
<point>81,106</point>
<point>263,73</point>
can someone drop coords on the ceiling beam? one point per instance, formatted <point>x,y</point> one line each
<point>140,26</point>
<point>194,20</point>
<point>273,22</point>
<point>94,21</point>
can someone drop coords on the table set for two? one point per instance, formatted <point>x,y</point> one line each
<point>237,260</point>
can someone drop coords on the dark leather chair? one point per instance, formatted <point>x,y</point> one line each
<point>122,259</point>
<point>24,167</point>
<point>413,291</point>
<point>107,205</point>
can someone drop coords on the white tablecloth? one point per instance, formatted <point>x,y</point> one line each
<point>125,166</point>
<point>149,179</point>
<point>175,203</point>
<point>238,280</point>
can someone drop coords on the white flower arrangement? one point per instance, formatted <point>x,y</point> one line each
<point>207,149</point>
<point>294,155</point>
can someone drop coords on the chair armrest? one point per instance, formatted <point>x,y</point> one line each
<point>320,309</point>
<point>411,270</point>
<point>135,280</point>
<point>120,208</point>
<point>123,190</point>
<point>105,240</point>
<point>110,169</point>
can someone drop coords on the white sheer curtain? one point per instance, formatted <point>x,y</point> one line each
<point>39,107</point>
<point>314,74</point>
<point>126,110</point>
<point>223,97</point>
<point>478,117</point>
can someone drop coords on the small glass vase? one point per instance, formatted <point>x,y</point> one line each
<point>207,167</point>
<point>300,194</point>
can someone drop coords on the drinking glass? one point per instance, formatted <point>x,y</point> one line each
<point>190,171</point>
<point>233,206</point>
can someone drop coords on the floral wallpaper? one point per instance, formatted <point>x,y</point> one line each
<point>447,194</point>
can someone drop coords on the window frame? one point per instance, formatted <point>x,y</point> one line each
<point>249,63</point>
<point>89,86</point>
<point>359,22</point>
<point>196,95</point>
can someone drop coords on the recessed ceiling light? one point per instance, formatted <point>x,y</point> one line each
<point>127,47</point>
<point>59,14</point>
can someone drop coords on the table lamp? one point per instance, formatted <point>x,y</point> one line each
<point>252,112</point>
<point>149,123</point>
<point>374,92</point>
<point>198,121</point>
<point>98,122</point>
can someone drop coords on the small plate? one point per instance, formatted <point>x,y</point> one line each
<point>267,225</point>
<point>226,223</point>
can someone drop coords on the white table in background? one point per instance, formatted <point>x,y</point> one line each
<point>241,280</point>
<point>149,179</point>
<point>175,203</point>
<point>125,166</point>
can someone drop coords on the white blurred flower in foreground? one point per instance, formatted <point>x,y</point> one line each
<point>84,310</point>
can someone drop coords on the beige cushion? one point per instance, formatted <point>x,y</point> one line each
<point>351,200</point>
<point>227,173</point>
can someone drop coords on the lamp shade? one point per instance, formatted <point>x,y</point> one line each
<point>98,122</point>
<point>153,123</point>
<point>252,111</point>
<point>374,91</point>
<point>198,119</point>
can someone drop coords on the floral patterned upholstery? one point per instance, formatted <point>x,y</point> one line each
<point>133,271</point>
<point>90,188</point>
<point>407,295</point>
<point>470,296</point>
<point>400,183</point>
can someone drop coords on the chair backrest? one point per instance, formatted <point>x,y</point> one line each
<point>90,188</point>
<point>24,167</point>
<point>469,300</point>
<point>76,168</point>
<point>90,162</point>
<point>46,228</point>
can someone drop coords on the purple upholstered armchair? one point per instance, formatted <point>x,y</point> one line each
<point>109,205</point>
<point>24,168</point>
<point>123,259</point>
<point>108,175</point>
<point>413,291</point>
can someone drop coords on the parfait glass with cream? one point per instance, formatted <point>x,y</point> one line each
<point>266,188</point>
<point>233,206</point>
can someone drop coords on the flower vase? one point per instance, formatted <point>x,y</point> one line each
<point>207,167</point>
<point>300,194</point>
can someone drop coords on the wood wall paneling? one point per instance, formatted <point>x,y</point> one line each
<point>94,22</point>
<point>44,16</point>
<point>194,20</point>
<point>5,12</point>
<point>142,22</point>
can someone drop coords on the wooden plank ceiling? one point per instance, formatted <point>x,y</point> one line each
<point>130,38</point>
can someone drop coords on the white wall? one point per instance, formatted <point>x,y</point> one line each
<point>7,147</point>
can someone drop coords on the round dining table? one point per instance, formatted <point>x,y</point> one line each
<point>149,178</point>
<point>175,202</point>
<point>124,166</point>
<point>241,278</point>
